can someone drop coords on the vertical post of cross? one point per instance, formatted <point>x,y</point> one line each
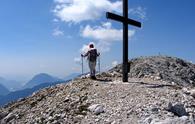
<point>125,20</point>
<point>125,40</point>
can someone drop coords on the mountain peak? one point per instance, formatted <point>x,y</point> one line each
<point>170,69</point>
<point>39,79</point>
<point>41,75</point>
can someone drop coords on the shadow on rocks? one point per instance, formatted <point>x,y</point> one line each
<point>154,85</point>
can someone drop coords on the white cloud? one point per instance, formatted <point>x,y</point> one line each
<point>84,48</point>
<point>105,35</point>
<point>107,25</point>
<point>138,11</point>
<point>103,46</point>
<point>114,63</point>
<point>102,33</point>
<point>55,20</point>
<point>57,32</point>
<point>62,1</point>
<point>81,10</point>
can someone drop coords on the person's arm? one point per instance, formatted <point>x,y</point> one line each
<point>98,54</point>
<point>84,55</point>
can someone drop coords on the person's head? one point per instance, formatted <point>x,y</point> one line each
<point>91,45</point>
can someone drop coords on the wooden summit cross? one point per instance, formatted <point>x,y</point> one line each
<point>125,20</point>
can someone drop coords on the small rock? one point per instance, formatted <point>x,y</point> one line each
<point>63,115</point>
<point>157,78</point>
<point>152,77</point>
<point>155,110</point>
<point>177,109</point>
<point>88,76</point>
<point>148,120</point>
<point>58,94</point>
<point>97,119</point>
<point>80,116</point>
<point>66,99</point>
<point>192,93</point>
<point>191,82</point>
<point>9,117</point>
<point>114,122</point>
<point>96,109</point>
<point>3,114</point>
<point>185,90</point>
<point>50,118</point>
<point>173,83</point>
<point>55,122</point>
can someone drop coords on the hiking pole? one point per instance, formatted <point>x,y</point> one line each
<point>82,64</point>
<point>99,63</point>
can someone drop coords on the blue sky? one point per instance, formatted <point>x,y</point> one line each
<point>48,36</point>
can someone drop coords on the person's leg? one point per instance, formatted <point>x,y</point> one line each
<point>90,68</point>
<point>93,68</point>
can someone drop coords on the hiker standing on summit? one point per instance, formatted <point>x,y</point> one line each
<point>91,55</point>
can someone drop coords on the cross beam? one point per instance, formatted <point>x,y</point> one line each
<point>122,19</point>
<point>125,20</point>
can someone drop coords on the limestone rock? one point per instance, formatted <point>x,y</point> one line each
<point>96,109</point>
<point>9,117</point>
<point>186,91</point>
<point>3,114</point>
<point>192,92</point>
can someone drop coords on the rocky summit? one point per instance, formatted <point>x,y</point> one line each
<point>169,69</point>
<point>160,91</point>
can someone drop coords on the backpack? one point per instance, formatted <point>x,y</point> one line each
<point>93,55</point>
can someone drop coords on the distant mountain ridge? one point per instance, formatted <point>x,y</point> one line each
<point>40,79</point>
<point>12,96</point>
<point>46,82</point>
<point>3,90</point>
<point>11,85</point>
